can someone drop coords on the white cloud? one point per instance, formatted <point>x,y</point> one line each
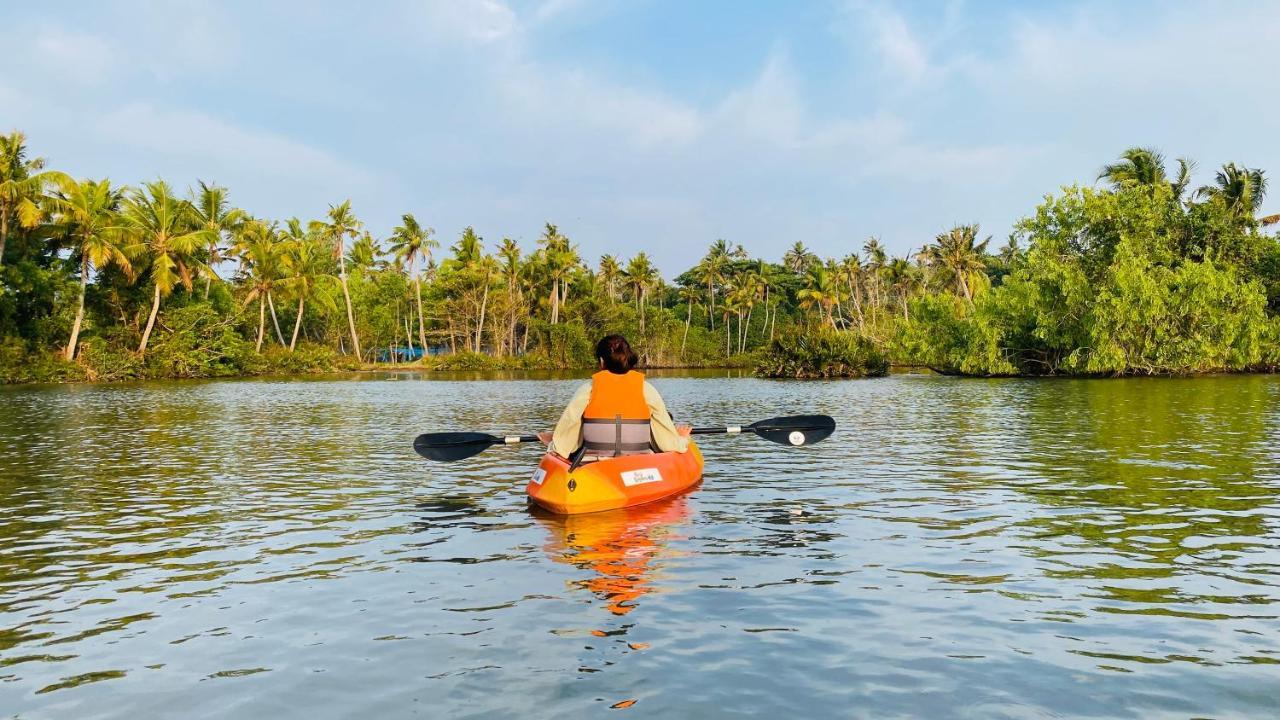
<point>71,56</point>
<point>480,21</point>
<point>187,139</point>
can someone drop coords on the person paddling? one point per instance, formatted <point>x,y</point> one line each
<point>617,413</point>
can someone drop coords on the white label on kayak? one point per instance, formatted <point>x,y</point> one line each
<point>538,476</point>
<point>796,437</point>
<point>641,476</point>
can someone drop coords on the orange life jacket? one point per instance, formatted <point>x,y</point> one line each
<point>616,421</point>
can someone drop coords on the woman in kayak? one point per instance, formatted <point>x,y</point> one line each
<point>618,412</point>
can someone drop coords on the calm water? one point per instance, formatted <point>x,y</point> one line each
<point>979,549</point>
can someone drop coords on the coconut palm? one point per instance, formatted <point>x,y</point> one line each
<point>22,186</point>
<point>798,258</point>
<point>163,236</point>
<point>560,259</point>
<point>609,273</point>
<point>89,210</point>
<point>850,272</point>
<point>410,242</point>
<point>511,269</point>
<point>1145,167</point>
<point>900,275</point>
<point>958,253</point>
<point>342,224</point>
<point>1240,190</point>
<point>262,265</point>
<point>820,292</point>
<point>689,294</point>
<point>304,271</point>
<point>212,212</point>
<point>640,275</point>
<point>711,270</point>
<point>365,254</point>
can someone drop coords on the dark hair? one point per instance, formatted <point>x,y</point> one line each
<point>616,354</point>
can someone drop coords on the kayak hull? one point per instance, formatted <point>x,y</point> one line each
<point>613,483</point>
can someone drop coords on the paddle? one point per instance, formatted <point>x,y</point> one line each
<point>795,430</point>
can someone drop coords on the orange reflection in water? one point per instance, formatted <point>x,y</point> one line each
<point>622,547</point>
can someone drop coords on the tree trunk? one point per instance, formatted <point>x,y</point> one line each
<point>726,335</point>
<point>555,301</point>
<point>688,318</point>
<point>275,320</point>
<point>75,327</point>
<point>151,321</point>
<point>208,280</point>
<point>297,323</point>
<point>409,338</point>
<point>262,321</point>
<point>422,324</point>
<point>346,294</point>
<point>484,305</point>
<point>4,231</point>
<point>711,307</point>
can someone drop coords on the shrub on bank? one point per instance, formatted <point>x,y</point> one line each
<point>823,354</point>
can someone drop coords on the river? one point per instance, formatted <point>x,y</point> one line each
<point>958,549</point>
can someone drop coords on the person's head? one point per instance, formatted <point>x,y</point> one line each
<point>615,354</point>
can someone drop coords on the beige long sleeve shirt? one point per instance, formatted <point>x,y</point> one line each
<point>568,433</point>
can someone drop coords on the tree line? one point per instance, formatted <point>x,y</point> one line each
<point>1144,274</point>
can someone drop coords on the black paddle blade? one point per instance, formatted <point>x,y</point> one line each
<point>795,430</point>
<point>449,446</point>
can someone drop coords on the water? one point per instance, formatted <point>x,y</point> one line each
<point>960,548</point>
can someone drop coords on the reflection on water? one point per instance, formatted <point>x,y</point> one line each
<point>622,548</point>
<point>959,548</point>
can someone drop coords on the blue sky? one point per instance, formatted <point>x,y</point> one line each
<point>644,125</point>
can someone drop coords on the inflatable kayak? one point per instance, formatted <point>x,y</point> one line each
<point>614,482</point>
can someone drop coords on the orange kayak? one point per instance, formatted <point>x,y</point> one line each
<point>613,483</point>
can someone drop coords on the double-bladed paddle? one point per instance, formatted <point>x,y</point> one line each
<point>796,430</point>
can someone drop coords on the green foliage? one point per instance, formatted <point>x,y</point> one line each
<point>19,364</point>
<point>1145,276</point>
<point>823,353</point>
<point>195,342</point>
<point>1120,282</point>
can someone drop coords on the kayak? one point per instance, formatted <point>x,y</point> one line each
<point>613,483</point>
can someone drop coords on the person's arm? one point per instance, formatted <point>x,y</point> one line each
<point>666,435</point>
<point>567,436</point>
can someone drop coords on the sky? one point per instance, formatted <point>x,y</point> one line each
<point>643,125</point>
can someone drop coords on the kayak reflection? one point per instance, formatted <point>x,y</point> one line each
<point>623,548</point>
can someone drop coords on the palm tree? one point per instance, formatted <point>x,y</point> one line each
<point>609,273</point>
<point>640,275</point>
<point>162,234</point>
<point>1239,189</point>
<point>342,224</point>
<point>690,294</point>
<point>877,257</point>
<point>22,186</point>
<point>213,212</point>
<point>900,274</point>
<point>849,271</point>
<point>711,271</point>
<point>410,242</point>
<point>560,259</point>
<point>820,291</point>
<point>511,268</point>
<point>261,261</point>
<point>365,254</point>
<point>958,253</point>
<point>1144,167</point>
<point>798,258</point>
<point>304,271</point>
<point>89,209</point>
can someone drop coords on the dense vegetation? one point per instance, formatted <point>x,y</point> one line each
<point>105,282</point>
